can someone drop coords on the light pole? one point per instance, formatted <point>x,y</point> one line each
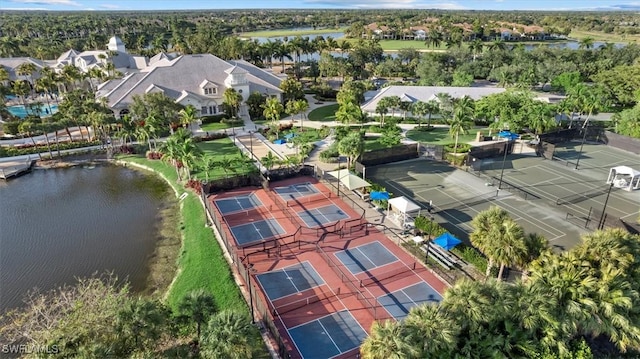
<point>251,143</point>
<point>504,160</point>
<point>584,138</point>
<point>604,208</point>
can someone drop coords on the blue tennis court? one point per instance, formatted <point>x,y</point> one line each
<point>399,303</point>
<point>289,280</point>
<point>238,203</point>
<point>322,215</point>
<point>256,231</point>
<point>296,190</point>
<point>328,336</point>
<point>366,257</point>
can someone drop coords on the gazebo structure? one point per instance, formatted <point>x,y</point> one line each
<point>403,210</point>
<point>624,177</point>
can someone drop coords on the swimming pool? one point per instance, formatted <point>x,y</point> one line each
<point>42,110</point>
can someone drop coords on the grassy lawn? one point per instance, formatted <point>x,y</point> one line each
<point>440,136</point>
<point>324,113</point>
<point>222,149</point>
<point>395,45</point>
<point>291,32</point>
<point>371,144</point>
<point>215,126</point>
<point>201,263</point>
<point>601,36</point>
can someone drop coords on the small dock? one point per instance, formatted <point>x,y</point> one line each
<point>10,169</point>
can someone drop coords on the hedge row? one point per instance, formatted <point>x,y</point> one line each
<point>12,151</point>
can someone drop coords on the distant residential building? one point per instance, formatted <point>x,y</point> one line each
<point>116,54</point>
<point>197,80</point>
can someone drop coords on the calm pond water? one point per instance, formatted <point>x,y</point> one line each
<point>57,225</point>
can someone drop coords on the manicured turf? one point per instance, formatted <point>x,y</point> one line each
<point>215,126</point>
<point>440,135</point>
<point>201,264</point>
<point>223,150</point>
<point>324,113</point>
<point>600,36</point>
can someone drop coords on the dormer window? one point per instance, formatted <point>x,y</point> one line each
<point>208,88</point>
<point>210,91</point>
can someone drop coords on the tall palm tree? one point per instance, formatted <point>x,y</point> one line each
<point>187,115</point>
<point>463,109</point>
<point>228,335</point>
<point>388,340</point>
<point>171,153</point>
<point>476,47</point>
<point>197,306</point>
<point>484,225</point>
<point>272,110</point>
<point>140,324</point>
<point>586,43</point>
<point>45,83</point>
<point>28,69</point>
<point>232,100</point>
<point>25,128</point>
<point>269,161</point>
<point>509,247</point>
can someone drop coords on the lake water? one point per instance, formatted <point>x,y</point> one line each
<point>56,225</point>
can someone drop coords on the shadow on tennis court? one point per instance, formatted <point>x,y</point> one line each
<point>289,280</point>
<point>366,257</point>
<point>296,191</point>
<point>257,231</point>
<point>400,302</point>
<point>328,336</point>
<point>320,216</point>
<point>237,203</point>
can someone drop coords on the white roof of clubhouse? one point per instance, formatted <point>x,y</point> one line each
<point>427,93</point>
<point>186,75</point>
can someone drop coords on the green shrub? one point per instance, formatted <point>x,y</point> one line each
<point>212,119</point>
<point>12,151</point>
<point>462,147</point>
<point>472,256</point>
<point>427,226</point>
<point>331,154</point>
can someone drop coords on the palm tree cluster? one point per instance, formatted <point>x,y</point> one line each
<point>568,307</point>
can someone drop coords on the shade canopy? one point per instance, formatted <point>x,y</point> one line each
<point>279,142</point>
<point>290,135</point>
<point>404,209</point>
<point>447,241</point>
<point>349,180</point>
<point>508,135</point>
<point>624,177</point>
<point>379,196</point>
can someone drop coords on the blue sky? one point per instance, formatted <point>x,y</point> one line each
<point>320,4</point>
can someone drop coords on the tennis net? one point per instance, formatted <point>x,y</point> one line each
<point>309,199</point>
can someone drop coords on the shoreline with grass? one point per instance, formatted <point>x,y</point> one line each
<point>291,32</point>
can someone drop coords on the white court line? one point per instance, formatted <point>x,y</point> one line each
<point>573,206</point>
<point>291,280</point>
<point>330,337</point>
<point>367,257</point>
<point>257,230</point>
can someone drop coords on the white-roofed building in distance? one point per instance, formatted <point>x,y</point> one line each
<point>414,94</point>
<point>197,80</point>
<point>116,54</point>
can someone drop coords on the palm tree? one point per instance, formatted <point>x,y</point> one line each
<point>207,164</point>
<point>300,107</point>
<point>171,153</point>
<point>45,83</point>
<point>269,161</point>
<point>434,38</point>
<point>462,116</point>
<point>272,110</point>
<point>476,47</point>
<point>197,306</point>
<point>228,335</point>
<point>497,45</point>
<point>27,69</point>
<point>431,330</point>
<point>232,99</point>
<point>352,146</point>
<point>140,324</point>
<point>586,43</point>
<point>509,247</point>
<point>388,340</point>
<point>187,115</point>
<point>21,89</point>
<point>25,128</point>
<point>485,224</point>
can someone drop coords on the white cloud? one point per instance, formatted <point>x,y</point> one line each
<point>23,8</point>
<point>388,4</point>
<point>109,6</point>
<point>48,2</point>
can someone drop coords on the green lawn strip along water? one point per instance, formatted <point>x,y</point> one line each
<point>291,32</point>
<point>201,263</point>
